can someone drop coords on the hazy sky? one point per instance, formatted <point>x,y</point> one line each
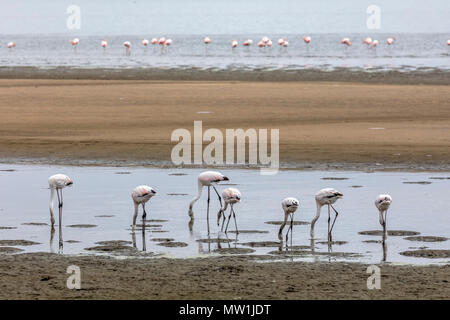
<point>102,17</point>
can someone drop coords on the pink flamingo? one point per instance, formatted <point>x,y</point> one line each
<point>207,179</point>
<point>145,42</point>
<point>367,41</point>
<point>104,44</point>
<point>154,40</point>
<point>390,40</point>
<point>374,44</point>
<point>289,206</point>
<point>127,45</point>
<point>11,45</point>
<point>234,44</point>
<point>231,196</point>
<point>346,41</point>
<point>140,196</point>
<point>307,39</point>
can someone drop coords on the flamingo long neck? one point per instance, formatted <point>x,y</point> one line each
<point>313,222</point>
<point>381,218</point>
<point>136,208</point>
<point>200,188</point>
<point>52,198</point>
<point>284,223</point>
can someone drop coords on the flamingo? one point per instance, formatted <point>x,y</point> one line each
<point>261,44</point>
<point>168,42</point>
<point>127,45</point>
<point>269,43</point>
<point>234,44</point>
<point>265,40</point>
<point>346,41</point>
<point>382,202</point>
<point>140,196</point>
<point>247,43</point>
<point>448,42</point>
<point>56,183</point>
<point>75,42</point>
<point>367,41</point>
<point>207,179</point>
<point>145,42</point>
<point>390,40</point>
<point>289,206</point>
<point>162,41</point>
<point>11,45</point>
<point>281,41</point>
<point>104,44</point>
<point>307,39</point>
<point>374,44</point>
<point>206,40</point>
<point>326,196</point>
<point>230,196</point>
<point>285,43</point>
<point>154,40</point>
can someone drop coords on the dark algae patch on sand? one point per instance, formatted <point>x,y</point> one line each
<point>17,243</point>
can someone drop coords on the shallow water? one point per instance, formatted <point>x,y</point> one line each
<point>423,52</point>
<point>101,198</point>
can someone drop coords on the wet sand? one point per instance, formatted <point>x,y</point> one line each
<point>322,125</point>
<point>43,276</point>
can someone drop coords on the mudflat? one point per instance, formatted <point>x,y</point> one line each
<point>43,276</point>
<point>320,122</point>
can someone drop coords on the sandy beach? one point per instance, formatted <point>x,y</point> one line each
<point>43,276</point>
<point>348,125</point>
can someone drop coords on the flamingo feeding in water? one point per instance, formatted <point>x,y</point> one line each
<point>374,44</point>
<point>207,179</point>
<point>307,39</point>
<point>75,42</point>
<point>56,183</point>
<point>382,202</point>
<point>11,45</point>
<point>367,41</point>
<point>390,40</point>
<point>346,41</point>
<point>230,196</point>
<point>140,196</point>
<point>289,206</point>
<point>326,196</point>
<point>127,45</point>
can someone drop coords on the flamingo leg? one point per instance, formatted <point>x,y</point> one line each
<point>335,217</point>
<point>228,222</point>
<point>60,205</point>
<point>290,228</point>
<point>207,210</point>
<point>144,214</point>
<point>220,199</point>
<point>329,239</point>
<point>143,239</point>
<point>235,222</point>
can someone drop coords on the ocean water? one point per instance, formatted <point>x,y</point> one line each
<point>410,52</point>
<point>101,197</point>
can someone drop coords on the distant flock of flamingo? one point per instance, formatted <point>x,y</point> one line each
<point>142,194</point>
<point>265,42</point>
